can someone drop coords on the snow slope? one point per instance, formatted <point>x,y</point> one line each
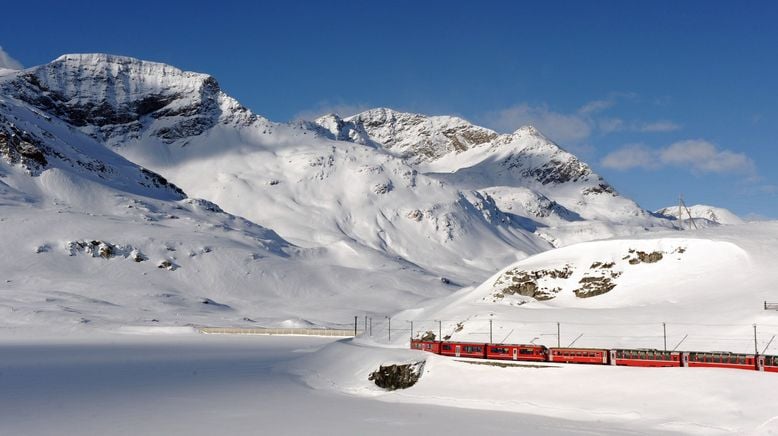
<point>706,290</point>
<point>621,400</point>
<point>707,214</point>
<point>92,241</point>
<point>422,189</point>
<point>709,284</point>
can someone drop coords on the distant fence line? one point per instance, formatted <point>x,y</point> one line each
<point>276,331</point>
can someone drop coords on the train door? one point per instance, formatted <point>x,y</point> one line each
<point>458,350</point>
<point>612,356</point>
<point>515,353</point>
<point>760,363</point>
<point>684,359</point>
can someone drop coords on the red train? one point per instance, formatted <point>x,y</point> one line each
<point>599,356</point>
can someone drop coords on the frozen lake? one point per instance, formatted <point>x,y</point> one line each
<point>215,385</point>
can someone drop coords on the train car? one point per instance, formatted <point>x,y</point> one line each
<point>723,359</point>
<point>652,358</point>
<point>578,355</point>
<point>463,349</point>
<point>526,352</point>
<point>770,363</point>
<point>429,346</point>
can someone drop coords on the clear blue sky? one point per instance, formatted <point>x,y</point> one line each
<point>659,97</point>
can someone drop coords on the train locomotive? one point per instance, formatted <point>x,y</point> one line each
<point>599,356</point>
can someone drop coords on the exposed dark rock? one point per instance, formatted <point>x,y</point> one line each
<point>593,286</point>
<point>215,305</point>
<point>428,336</point>
<point>525,283</point>
<point>602,188</point>
<point>383,188</point>
<point>398,376</point>
<point>165,264</point>
<point>19,147</point>
<point>643,257</point>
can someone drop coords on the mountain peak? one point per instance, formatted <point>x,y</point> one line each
<point>420,137</point>
<point>118,98</point>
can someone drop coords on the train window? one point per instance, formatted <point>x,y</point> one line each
<point>447,347</point>
<point>525,351</point>
<point>499,350</point>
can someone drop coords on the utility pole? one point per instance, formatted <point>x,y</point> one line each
<point>355,325</point>
<point>490,331</point>
<point>680,211</point>
<point>756,349</point>
<point>365,330</point>
<point>390,328</point>
<point>411,329</point>
<point>440,330</point>
<point>371,327</point>
<point>664,333</point>
<point>558,336</point>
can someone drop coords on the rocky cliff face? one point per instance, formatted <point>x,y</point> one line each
<point>115,99</point>
<point>36,141</point>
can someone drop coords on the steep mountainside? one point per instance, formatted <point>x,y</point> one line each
<point>92,239</point>
<point>524,172</point>
<point>435,195</point>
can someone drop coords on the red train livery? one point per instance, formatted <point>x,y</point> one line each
<point>579,355</point>
<point>463,349</point>
<point>529,352</point>
<point>651,358</point>
<point>598,356</point>
<point>720,359</point>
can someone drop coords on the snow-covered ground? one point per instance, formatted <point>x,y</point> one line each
<point>205,385</point>
<point>626,400</point>
<point>709,284</point>
<point>383,213</point>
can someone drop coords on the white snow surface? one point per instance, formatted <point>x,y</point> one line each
<point>439,193</point>
<point>622,400</point>
<point>342,217</point>
<point>708,289</point>
<point>710,285</point>
<point>712,214</point>
<point>205,385</point>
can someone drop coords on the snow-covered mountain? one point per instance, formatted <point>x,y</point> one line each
<point>92,239</point>
<point>709,285</point>
<point>384,201</point>
<point>706,214</point>
<point>524,172</point>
